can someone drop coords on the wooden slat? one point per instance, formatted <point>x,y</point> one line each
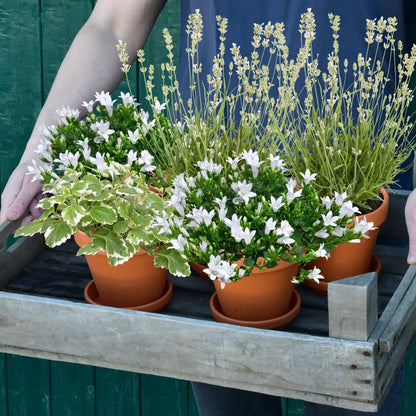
<point>21,79</point>
<point>352,307</point>
<point>19,255</point>
<point>72,389</point>
<point>217,353</point>
<point>117,392</point>
<point>28,382</point>
<point>160,393</point>
<point>3,385</point>
<point>391,308</point>
<point>60,21</point>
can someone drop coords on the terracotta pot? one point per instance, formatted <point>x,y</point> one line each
<point>259,296</point>
<point>351,259</point>
<point>198,268</point>
<point>131,284</point>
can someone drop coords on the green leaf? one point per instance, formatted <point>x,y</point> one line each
<point>173,261</point>
<point>73,214</point>
<point>101,196</point>
<point>93,184</point>
<point>103,214</point>
<point>125,210</point>
<point>138,236</point>
<point>93,247</point>
<point>57,233</point>
<point>128,191</point>
<point>120,227</point>
<point>30,228</point>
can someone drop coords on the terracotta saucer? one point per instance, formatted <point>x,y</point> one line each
<point>322,287</point>
<point>279,322</point>
<point>91,296</point>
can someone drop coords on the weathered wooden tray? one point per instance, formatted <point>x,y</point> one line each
<point>343,351</point>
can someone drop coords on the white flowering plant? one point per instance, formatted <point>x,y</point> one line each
<point>100,178</point>
<point>347,121</point>
<point>254,211</point>
<point>350,123</point>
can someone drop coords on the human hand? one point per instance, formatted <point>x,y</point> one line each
<point>20,197</point>
<point>410,214</point>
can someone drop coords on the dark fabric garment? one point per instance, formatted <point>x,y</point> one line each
<point>221,401</point>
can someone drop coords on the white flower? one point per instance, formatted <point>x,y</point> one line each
<point>348,209</point>
<point>248,235</point>
<point>285,229</point>
<point>35,170</point>
<point>233,162</point>
<point>276,162</point>
<point>321,252</point>
<point>291,193</point>
<point>327,201</point>
<point>88,105</point>
<point>285,240</point>
<point>243,189</point>
<point>270,226</point>
<point>340,198</point>
<point>68,159</point>
<point>179,243</point>
<point>131,157</point>
<point>65,112</point>
<point>201,215</point>
<point>146,126</point>
<point>133,135</point>
<point>163,223</point>
<point>104,98</point>
<point>99,161</point>
<point>308,176</point>
<point>276,204</point>
<point>127,98</point>
<point>102,128</point>
<point>315,274</point>
<point>208,166</point>
<point>329,219</point>
<point>221,202</point>
<point>234,222</point>
<point>338,231</point>
<point>252,159</point>
<point>203,246</point>
<point>179,183</point>
<point>146,160</point>
<point>322,233</point>
<point>159,107</point>
<point>363,226</point>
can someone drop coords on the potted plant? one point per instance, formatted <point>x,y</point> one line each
<point>248,218</point>
<point>351,126</point>
<point>104,186</point>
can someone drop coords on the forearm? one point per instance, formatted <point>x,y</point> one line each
<point>92,63</point>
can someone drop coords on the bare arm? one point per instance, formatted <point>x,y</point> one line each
<point>90,65</point>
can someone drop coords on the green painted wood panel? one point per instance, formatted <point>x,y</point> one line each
<point>21,80</point>
<point>161,396</point>
<point>60,22</point>
<point>28,382</point>
<point>72,389</point>
<point>155,49</point>
<point>3,385</point>
<point>117,393</point>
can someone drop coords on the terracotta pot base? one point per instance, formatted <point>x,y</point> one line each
<point>322,287</point>
<point>91,296</point>
<point>279,322</point>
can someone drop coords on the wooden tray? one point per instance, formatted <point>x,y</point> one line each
<point>343,350</point>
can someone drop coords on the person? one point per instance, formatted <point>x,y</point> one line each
<point>92,64</point>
